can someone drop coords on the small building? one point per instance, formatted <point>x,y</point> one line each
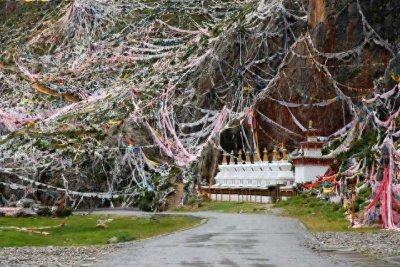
<point>311,163</point>
<point>253,180</point>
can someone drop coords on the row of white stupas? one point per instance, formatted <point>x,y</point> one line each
<point>259,174</point>
<point>255,175</point>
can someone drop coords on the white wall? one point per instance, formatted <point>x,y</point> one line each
<point>313,152</point>
<point>307,173</point>
<point>255,175</point>
<point>241,198</point>
<point>312,139</point>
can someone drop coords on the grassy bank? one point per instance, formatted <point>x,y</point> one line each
<point>227,207</point>
<point>317,215</point>
<point>82,230</point>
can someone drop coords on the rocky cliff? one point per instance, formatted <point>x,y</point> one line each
<point>116,99</point>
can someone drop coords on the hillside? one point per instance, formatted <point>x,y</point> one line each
<point>113,100</point>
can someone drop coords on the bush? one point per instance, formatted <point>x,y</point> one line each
<point>46,211</point>
<point>63,212</point>
<point>145,204</point>
<point>365,193</point>
<point>192,200</point>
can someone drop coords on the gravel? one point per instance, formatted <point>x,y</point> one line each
<point>382,244</point>
<point>52,256</point>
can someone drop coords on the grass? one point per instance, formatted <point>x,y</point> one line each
<point>318,215</point>
<point>81,230</point>
<point>227,207</point>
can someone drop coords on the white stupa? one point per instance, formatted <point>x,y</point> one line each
<point>253,181</point>
<point>259,174</point>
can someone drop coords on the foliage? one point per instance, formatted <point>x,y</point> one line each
<point>332,146</point>
<point>362,199</point>
<point>360,148</point>
<point>146,201</point>
<point>61,213</point>
<point>45,212</point>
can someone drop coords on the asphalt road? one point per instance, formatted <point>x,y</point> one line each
<point>225,240</point>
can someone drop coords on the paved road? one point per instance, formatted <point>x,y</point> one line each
<point>225,240</point>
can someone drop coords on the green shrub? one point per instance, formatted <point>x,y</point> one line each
<point>192,200</point>
<point>46,212</point>
<point>146,201</point>
<point>365,193</point>
<point>145,204</point>
<point>63,212</point>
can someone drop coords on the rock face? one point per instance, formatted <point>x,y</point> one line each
<point>366,27</point>
<point>249,54</point>
<point>336,63</point>
<point>325,73</point>
<point>338,26</point>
